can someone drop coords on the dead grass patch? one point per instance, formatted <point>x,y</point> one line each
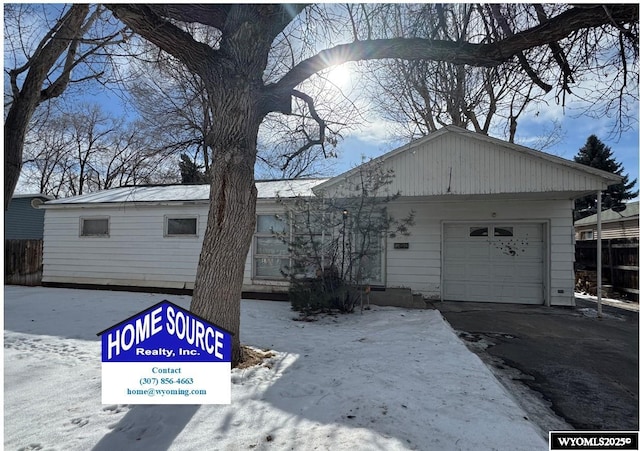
<point>254,357</point>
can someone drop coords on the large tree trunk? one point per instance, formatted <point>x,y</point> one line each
<point>232,207</point>
<point>15,130</point>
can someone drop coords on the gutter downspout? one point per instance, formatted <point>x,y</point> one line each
<point>599,252</point>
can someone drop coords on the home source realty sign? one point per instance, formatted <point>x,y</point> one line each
<point>166,355</point>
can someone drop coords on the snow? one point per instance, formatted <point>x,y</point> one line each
<point>622,304</point>
<point>389,379</point>
<point>175,193</point>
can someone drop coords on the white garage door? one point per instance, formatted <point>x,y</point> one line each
<point>494,263</point>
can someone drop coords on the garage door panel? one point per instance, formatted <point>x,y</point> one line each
<point>462,271</point>
<point>494,268</point>
<point>516,253</point>
<point>531,231</point>
<point>455,291</point>
<point>457,231</point>
<point>477,274</point>
<point>522,272</point>
<point>464,251</point>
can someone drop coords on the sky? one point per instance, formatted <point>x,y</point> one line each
<point>403,381</point>
<point>373,139</point>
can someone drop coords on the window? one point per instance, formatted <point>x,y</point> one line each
<point>94,227</point>
<point>372,259</point>
<point>586,235</point>
<point>313,245</point>
<point>271,255</point>
<point>503,231</point>
<point>479,231</point>
<point>181,226</point>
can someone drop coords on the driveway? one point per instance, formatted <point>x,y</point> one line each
<point>584,368</point>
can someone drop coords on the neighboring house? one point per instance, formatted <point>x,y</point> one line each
<point>23,220</point>
<point>623,224</point>
<point>493,223</point>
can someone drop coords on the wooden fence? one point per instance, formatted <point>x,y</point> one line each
<point>619,266</point>
<point>23,262</point>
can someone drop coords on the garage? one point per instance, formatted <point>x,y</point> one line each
<point>499,262</point>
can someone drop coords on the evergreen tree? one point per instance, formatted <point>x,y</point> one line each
<point>599,156</point>
<point>190,172</point>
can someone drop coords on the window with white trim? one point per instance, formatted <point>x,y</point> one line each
<point>175,226</point>
<point>97,227</point>
<point>271,252</point>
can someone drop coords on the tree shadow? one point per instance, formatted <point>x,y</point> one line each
<point>148,427</point>
<point>74,313</point>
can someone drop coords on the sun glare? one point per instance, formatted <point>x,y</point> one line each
<point>339,75</point>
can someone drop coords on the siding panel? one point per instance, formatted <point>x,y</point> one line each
<point>480,167</point>
<point>136,251</point>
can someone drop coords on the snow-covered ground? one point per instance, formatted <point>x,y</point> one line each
<point>388,379</point>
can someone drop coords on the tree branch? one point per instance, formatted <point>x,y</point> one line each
<point>149,24</point>
<point>504,26</point>
<point>277,96</point>
<point>310,142</point>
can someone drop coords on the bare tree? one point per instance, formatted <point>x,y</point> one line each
<point>43,65</point>
<point>175,103</point>
<point>85,150</point>
<point>420,96</point>
<point>235,76</point>
<point>172,101</point>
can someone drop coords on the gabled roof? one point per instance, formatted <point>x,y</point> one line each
<point>628,214</point>
<point>437,165</point>
<point>268,189</point>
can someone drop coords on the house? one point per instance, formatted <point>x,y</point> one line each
<point>493,223</point>
<point>23,220</point>
<point>615,224</point>
<point>151,236</point>
<point>620,236</point>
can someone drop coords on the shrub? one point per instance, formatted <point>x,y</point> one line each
<point>324,293</point>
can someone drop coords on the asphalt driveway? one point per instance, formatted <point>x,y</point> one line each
<point>584,367</point>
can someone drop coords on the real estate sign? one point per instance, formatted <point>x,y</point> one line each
<point>166,355</point>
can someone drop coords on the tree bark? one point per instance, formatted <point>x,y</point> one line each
<point>235,90</point>
<point>232,212</point>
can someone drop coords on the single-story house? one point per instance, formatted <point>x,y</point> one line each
<point>615,224</point>
<point>493,223</point>
<point>24,220</point>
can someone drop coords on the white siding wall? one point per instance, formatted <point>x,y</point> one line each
<point>419,266</point>
<point>467,165</point>
<point>136,253</point>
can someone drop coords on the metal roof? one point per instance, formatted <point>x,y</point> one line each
<point>268,189</point>
<point>610,215</point>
